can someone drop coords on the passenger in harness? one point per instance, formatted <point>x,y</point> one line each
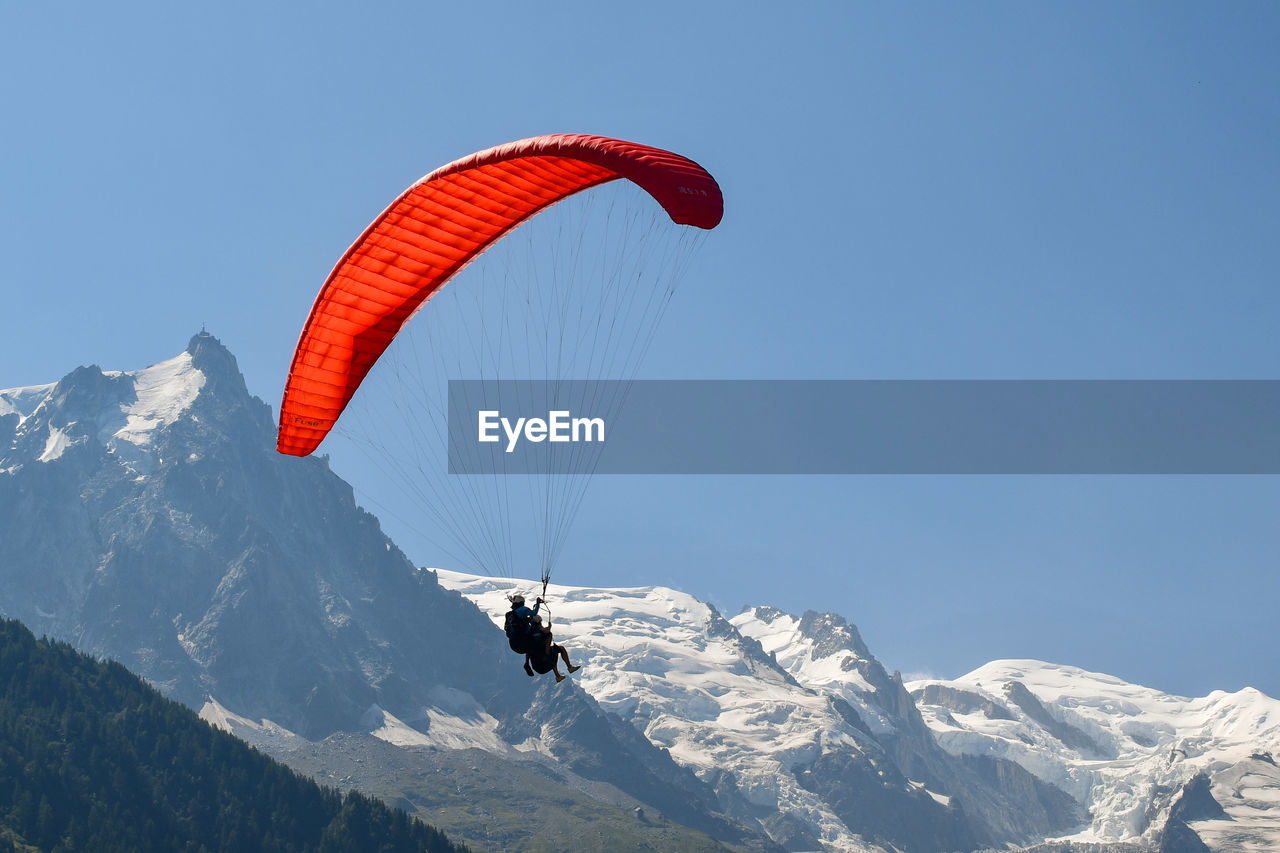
<point>528,636</point>
<point>546,655</point>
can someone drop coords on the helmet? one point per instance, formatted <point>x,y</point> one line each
<point>517,600</point>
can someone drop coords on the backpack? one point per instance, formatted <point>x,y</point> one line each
<point>517,628</point>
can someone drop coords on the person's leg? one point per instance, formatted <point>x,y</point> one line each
<point>527,669</point>
<point>562,652</point>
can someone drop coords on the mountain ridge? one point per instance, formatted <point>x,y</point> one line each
<point>169,534</point>
<point>145,515</point>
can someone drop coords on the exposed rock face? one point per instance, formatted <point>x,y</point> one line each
<point>160,527</point>
<point>962,701</point>
<point>1071,736</point>
<point>1000,800</point>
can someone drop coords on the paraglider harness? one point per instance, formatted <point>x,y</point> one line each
<point>520,630</point>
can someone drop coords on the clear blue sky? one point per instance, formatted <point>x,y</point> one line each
<point>1002,190</point>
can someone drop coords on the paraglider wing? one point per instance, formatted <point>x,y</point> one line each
<point>433,230</point>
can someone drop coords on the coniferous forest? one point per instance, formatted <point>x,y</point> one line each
<point>92,758</point>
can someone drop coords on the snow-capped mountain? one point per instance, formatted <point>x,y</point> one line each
<point>146,516</point>
<point>765,699</point>
<point>49,418</point>
<point>672,667</point>
<point>795,716</point>
<point>1132,755</point>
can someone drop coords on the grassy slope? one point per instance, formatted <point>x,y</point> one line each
<point>492,804</point>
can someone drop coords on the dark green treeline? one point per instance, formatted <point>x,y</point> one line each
<point>92,758</point>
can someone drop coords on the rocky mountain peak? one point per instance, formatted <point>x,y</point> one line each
<point>86,392</point>
<point>166,531</point>
<point>215,361</point>
<point>832,634</point>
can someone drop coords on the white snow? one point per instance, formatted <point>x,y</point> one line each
<point>387,727</point>
<point>832,673</point>
<point>23,401</point>
<point>164,391</point>
<point>656,657</point>
<point>455,720</point>
<point>263,733</point>
<point>55,444</point>
<point>1250,795</point>
<point>161,394</point>
<point>1146,738</point>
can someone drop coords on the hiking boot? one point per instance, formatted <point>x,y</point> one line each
<point>559,678</point>
<point>527,670</point>
<point>573,668</point>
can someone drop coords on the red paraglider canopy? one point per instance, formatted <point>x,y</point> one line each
<point>433,230</point>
